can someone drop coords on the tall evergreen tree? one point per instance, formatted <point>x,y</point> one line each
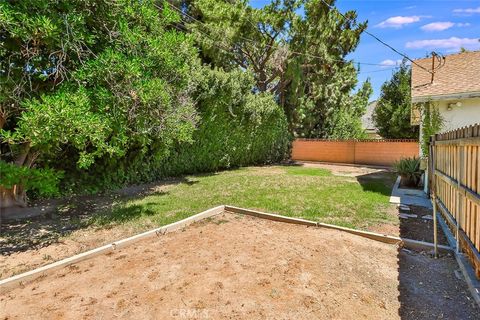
<point>393,111</point>
<point>321,92</point>
<point>301,60</point>
<point>233,35</point>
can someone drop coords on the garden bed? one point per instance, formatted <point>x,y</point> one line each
<point>355,197</point>
<point>243,267</point>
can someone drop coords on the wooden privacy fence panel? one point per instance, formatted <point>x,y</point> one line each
<point>455,186</point>
<point>373,152</point>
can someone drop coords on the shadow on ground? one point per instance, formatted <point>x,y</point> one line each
<point>381,182</point>
<point>430,288</point>
<point>45,222</point>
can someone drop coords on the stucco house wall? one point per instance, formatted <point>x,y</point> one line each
<point>465,115</point>
<point>448,80</point>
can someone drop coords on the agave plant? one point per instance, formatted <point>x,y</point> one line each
<point>409,170</point>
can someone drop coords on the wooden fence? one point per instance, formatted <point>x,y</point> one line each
<point>454,167</point>
<point>370,152</point>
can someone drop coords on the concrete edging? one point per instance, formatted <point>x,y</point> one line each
<point>408,243</point>
<point>408,197</point>
<point>394,198</point>
<point>9,283</point>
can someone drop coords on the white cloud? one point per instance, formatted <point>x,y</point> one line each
<point>452,43</point>
<point>437,26</point>
<point>440,26</point>
<point>398,21</point>
<point>390,63</point>
<point>468,11</point>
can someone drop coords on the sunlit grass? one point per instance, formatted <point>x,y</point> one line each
<point>308,171</point>
<point>309,193</point>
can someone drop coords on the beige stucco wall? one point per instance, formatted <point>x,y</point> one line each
<point>467,114</point>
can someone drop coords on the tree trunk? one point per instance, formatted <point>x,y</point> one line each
<point>13,197</point>
<point>17,195</point>
<point>2,120</point>
<point>20,160</point>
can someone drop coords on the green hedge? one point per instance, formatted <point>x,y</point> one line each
<point>236,128</point>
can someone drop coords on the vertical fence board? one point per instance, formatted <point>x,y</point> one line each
<point>456,176</point>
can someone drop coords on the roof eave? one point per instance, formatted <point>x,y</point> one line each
<point>440,97</point>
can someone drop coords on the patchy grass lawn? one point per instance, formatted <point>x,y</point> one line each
<point>306,192</point>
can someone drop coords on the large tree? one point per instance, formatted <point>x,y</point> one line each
<point>233,35</point>
<point>300,59</point>
<point>91,78</point>
<point>321,95</point>
<point>393,111</point>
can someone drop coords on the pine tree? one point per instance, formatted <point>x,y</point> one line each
<point>393,111</point>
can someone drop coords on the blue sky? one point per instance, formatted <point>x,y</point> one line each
<point>415,28</point>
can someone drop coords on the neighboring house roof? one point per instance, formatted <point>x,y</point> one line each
<point>367,118</point>
<point>458,78</point>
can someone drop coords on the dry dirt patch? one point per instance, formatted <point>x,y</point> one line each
<point>346,170</point>
<point>231,266</point>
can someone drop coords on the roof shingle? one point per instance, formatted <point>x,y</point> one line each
<point>459,75</point>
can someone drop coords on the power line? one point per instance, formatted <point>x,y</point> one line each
<point>266,45</point>
<point>379,70</point>
<point>228,50</point>
<point>380,40</point>
<point>215,44</point>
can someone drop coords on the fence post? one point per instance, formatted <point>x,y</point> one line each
<point>461,198</point>
<point>435,226</point>
<point>430,175</point>
<point>432,191</point>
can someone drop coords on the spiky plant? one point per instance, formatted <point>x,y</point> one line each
<point>409,170</point>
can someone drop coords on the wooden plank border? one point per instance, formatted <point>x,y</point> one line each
<point>408,243</point>
<point>9,283</point>
<point>20,279</point>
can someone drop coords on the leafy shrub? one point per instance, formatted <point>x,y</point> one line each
<point>43,182</point>
<point>409,170</point>
<point>432,123</point>
<point>98,82</point>
<point>236,128</point>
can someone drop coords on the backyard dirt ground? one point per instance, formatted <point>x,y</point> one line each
<point>51,235</point>
<point>240,267</point>
<point>344,169</point>
<point>51,230</point>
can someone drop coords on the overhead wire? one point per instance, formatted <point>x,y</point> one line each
<point>379,70</point>
<point>384,43</point>
<point>182,13</point>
